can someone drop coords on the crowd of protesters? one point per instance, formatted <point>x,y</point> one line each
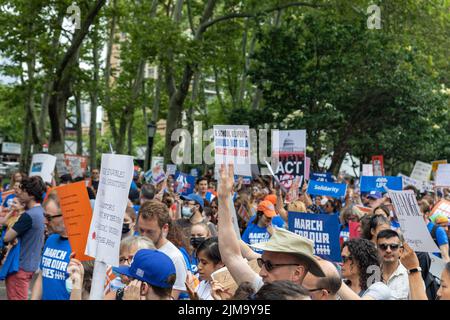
<point>172,245</point>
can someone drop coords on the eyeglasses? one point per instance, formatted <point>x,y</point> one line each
<point>393,246</point>
<point>50,217</point>
<point>346,258</point>
<point>270,266</point>
<point>123,259</point>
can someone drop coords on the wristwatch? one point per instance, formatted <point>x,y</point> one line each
<point>419,269</point>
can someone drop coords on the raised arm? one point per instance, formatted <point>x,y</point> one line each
<point>416,286</point>
<point>229,246</point>
<point>279,206</point>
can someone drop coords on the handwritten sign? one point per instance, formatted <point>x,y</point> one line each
<point>77,215</point>
<point>411,221</point>
<point>105,232</point>
<point>443,175</point>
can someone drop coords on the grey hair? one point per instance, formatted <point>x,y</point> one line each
<point>139,241</point>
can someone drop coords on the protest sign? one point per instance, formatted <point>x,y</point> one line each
<point>288,155</point>
<point>232,145</point>
<point>246,180</point>
<point>421,171</point>
<point>443,176</point>
<point>194,172</point>
<point>365,210</point>
<point>322,177</point>
<point>437,265</point>
<point>157,161</point>
<point>367,170</point>
<point>323,229</point>
<point>42,165</point>
<point>184,183</point>
<point>269,167</point>
<point>244,213</point>
<point>442,208</point>
<point>411,221</point>
<point>335,190</point>
<point>354,229</point>
<point>422,186</point>
<point>6,194</point>
<point>77,215</point>
<point>77,165</point>
<point>292,194</point>
<point>307,167</point>
<point>378,165</point>
<point>171,169</point>
<point>158,174</point>
<point>61,166</point>
<point>380,184</point>
<point>434,166</point>
<point>116,173</point>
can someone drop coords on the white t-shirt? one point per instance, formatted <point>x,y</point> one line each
<point>204,290</point>
<point>378,291</point>
<point>178,261</point>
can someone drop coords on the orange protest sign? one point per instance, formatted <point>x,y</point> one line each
<point>77,215</point>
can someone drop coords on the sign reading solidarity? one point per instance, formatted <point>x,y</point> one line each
<point>411,221</point>
<point>335,190</point>
<point>380,183</point>
<point>105,232</point>
<point>322,229</point>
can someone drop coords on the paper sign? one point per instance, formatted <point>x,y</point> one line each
<point>442,208</point>
<point>105,232</point>
<point>367,170</point>
<point>171,169</point>
<point>335,190</point>
<point>158,174</point>
<point>380,183</point>
<point>422,186</point>
<point>443,175</point>
<point>288,155</point>
<point>411,221</point>
<point>354,229</point>
<point>77,165</point>
<point>77,215</point>
<point>184,184</point>
<point>421,171</point>
<point>232,145</point>
<point>323,229</point>
<point>365,210</point>
<point>292,194</point>
<point>437,266</point>
<point>42,165</point>
<point>157,161</point>
<point>61,167</point>
<point>434,166</point>
<point>378,165</point>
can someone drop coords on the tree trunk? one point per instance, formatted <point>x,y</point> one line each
<point>94,103</point>
<point>26,144</point>
<point>337,158</point>
<point>78,125</point>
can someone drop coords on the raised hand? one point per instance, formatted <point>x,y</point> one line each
<point>226,182</point>
<point>409,258</point>
<point>132,291</point>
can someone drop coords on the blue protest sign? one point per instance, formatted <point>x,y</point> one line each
<point>322,177</point>
<point>378,183</point>
<point>335,190</point>
<point>323,229</point>
<point>184,183</point>
<point>245,179</point>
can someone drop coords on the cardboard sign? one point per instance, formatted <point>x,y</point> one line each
<point>380,183</point>
<point>437,266</point>
<point>322,177</point>
<point>354,229</point>
<point>335,190</point>
<point>288,155</point>
<point>43,165</point>
<point>411,221</point>
<point>105,232</point>
<point>421,171</point>
<point>323,229</point>
<point>443,176</point>
<point>367,170</point>
<point>442,208</point>
<point>378,165</point>
<point>184,183</point>
<point>435,165</point>
<point>292,194</point>
<point>232,145</point>
<point>77,215</point>
<point>171,169</point>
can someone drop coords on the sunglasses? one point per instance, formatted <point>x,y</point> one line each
<point>346,258</point>
<point>393,247</point>
<point>270,266</point>
<point>50,217</point>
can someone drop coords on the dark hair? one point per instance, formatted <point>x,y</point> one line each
<point>384,208</point>
<point>34,186</point>
<point>201,179</point>
<point>281,290</point>
<point>387,234</point>
<point>413,188</point>
<point>370,223</point>
<point>148,191</point>
<point>165,292</point>
<point>210,247</point>
<point>258,216</point>
<point>244,291</point>
<point>364,254</point>
<point>331,282</point>
<point>88,267</point>
<point>447,267</point>
<point>65,178</point>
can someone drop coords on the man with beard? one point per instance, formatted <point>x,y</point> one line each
<point>51,281</point>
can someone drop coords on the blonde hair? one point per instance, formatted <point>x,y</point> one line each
<point>297,206</point>
<point>140,242</point>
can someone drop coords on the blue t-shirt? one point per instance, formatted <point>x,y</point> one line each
<point>254,234</point>
<point>441,236</point>
<point>8,200</point>
<point>191,261</point>
<point>395,224</point>
<point>54,262</point>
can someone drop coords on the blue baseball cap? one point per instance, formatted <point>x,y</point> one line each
<point>375,195</point>
<point>194,197</point>
<point>150,266</point>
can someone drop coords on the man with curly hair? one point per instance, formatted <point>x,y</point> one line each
<point>29,231</point>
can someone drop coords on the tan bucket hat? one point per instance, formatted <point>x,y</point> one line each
<point>285,241</point>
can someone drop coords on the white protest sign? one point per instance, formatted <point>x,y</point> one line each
<point>116,173</point>
<point>157,161</point>
<point>422,186</point>
<point>411,221</point>
<point>171,169</point>
<point>367,170</point>
<point>42,165</point>
<point>421,171</point>
<point>232,145</point>
<point>437,265</point>
<point>61,166</point>
<point>443,175</point>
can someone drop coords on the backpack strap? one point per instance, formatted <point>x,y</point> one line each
<point>433,233</point>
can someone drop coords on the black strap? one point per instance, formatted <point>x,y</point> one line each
<point>433,233</point>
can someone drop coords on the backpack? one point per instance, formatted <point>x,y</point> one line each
<point>432,283</point>
<point>433,234</point>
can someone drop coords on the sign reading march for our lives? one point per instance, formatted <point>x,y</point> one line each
<point>184,183</point>
<point>335,190</point>
<point>323,229</point>
<point>411,221</point>
<point>322,177</point>
<point>380,183</point>
<point>42,165</point>
<point>105,232</point>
